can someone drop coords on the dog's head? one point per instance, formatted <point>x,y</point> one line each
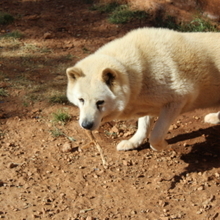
<point>99,86</point>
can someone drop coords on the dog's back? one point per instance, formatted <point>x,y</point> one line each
<point>187,64</point>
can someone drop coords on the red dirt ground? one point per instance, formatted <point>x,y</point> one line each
<point>41,179</point>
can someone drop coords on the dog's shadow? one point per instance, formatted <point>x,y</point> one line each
<point>203,156</point>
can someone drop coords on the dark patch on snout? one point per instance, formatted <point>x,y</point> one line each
<point>87,124</point>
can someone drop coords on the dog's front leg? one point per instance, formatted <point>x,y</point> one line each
<point>144,127</point>
<point>167,115</point>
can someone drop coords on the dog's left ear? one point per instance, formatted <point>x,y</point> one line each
<point>73,73</point>
<point>109,76</point>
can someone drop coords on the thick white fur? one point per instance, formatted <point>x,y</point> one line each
<point>149,72</point>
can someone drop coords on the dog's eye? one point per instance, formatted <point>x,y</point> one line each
<point>81,100</point>
<point>99,103</point>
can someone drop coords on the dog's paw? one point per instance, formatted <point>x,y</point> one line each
<point>212,118</point>
<point>125,145</point>
<point>159,147</point>
<point>153,148</point>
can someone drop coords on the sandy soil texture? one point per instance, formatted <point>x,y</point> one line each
<point>49,169</point>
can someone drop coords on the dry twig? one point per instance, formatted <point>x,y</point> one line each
<point>92,138</point>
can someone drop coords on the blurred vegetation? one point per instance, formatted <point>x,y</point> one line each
<point>122,13</point>
<point>5,18</point>
<point>119,13</point>
<point>13,34</point>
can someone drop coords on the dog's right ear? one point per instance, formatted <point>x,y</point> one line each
<point>73,73</point>
<point>108,76</point>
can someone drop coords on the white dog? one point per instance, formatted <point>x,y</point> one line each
<point>145,74</point>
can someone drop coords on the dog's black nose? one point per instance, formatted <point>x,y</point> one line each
<point>87,125</point>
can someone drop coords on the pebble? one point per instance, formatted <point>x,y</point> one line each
<point>133,212</point>
<point>199,212</point>
<point>67,147</point>
<point>125,162</point>
<point>200,188</point>
<point>161,203</point>
<point>217,175</point>
<point>89,218</point>
<point>12,165</point>
<point>47,35</point>
<point>128,133</point>
<point>114,129</point>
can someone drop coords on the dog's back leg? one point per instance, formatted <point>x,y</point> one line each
<point>213,118</point>
<point>167,115</point>
<point>144,126</point>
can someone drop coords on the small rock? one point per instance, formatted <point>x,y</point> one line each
<point>9,144</point>
<point>89,218</point>
<point>125,162</point>
<point>114,129</point>
<point>185,145</point>
<point>140,176</point>
<point>47,35</point>
<point>59,78</point>
<point>161,203</point>
<point>199,212</point>
<point>95,176</point>
<point>200,188</point>
<point>128,133</point>
<point>32,17</point>
<point>173,216</point>
<point>133,212</point>
<point>67,147</point>
<point>12,165</point>
<point>217,175</point>
<point>214,216</point>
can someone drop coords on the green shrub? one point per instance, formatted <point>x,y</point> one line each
<point>61,116</point>
<point>3,92</point>
<point>14,34</point>
<point>119,14</point>
<point>6,18</point>
<point>58,98</point>
<point>122,14</point>
<point>198,25</point>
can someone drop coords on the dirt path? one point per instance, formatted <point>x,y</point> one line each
<point>48,170</point>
